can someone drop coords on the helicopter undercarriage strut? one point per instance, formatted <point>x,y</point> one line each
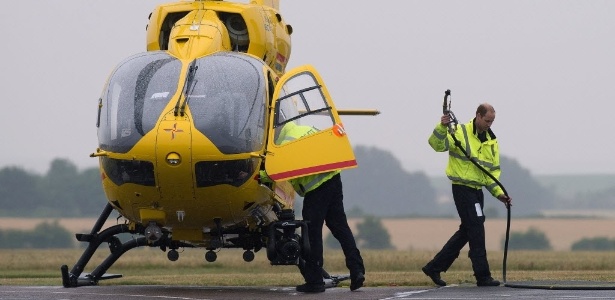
<point>95,238</point>
<point>284,246</point>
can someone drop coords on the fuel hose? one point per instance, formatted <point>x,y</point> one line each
<point>447,111</point>
<point>540,284</point>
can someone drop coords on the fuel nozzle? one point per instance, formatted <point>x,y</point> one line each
<point>446,110</point>
<point>452,125</point>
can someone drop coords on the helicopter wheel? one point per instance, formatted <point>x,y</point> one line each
<point>248,256</point>
<point>173,255</point>
<point>211,256</point>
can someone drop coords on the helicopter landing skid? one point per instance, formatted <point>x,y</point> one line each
<point>75,277</point>
<point>85,278</point>
<point>284,246</point>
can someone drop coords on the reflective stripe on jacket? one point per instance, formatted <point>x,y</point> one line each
<point>305,184</point>
<point>460,170</point>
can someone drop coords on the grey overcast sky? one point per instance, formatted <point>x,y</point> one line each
<point>548,68</point>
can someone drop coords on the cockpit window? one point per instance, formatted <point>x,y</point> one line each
<point>133,100</point>
<point>227,101</point>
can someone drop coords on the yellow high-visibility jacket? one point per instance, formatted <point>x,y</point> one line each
<point>303,185</point>
<point>460,169</point>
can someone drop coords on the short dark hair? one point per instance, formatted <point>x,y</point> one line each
<point>483,108</point>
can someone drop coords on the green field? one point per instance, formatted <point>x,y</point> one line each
<point>384,268</point>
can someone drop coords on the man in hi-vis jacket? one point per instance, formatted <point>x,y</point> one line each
<point>477,139</point>
<point>322,204</point>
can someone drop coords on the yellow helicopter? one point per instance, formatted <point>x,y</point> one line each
<point>185,128</point>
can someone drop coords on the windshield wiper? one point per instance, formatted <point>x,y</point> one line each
<point>188,83</point>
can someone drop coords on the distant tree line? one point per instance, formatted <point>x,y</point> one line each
<point>44,235</point>
<point>534,239</point>
<point>370,234</point>
<point>63,192</point>
<point>380,187</point>
<point>594,244</point>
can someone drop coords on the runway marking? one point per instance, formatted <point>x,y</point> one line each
<point>136,296</point>
<point>403,295</point>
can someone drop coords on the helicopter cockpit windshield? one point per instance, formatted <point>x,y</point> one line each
<point>134,97</point>
<point>226,97</point>
<point>227,101</point>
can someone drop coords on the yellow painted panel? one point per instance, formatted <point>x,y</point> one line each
<point>149,214</point>
<point>326,150</point>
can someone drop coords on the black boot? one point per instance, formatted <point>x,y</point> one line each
<point>434,275</point>
<point>356,281</point>
<point>488,281</point>
<point>311,288</point>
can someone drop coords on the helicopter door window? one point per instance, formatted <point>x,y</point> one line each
<point>302,103</point>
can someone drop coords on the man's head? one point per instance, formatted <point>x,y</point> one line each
<point>485,115</point>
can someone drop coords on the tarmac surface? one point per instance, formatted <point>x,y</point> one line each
<point>136,292</point>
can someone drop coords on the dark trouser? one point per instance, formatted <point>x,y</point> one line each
<point>325,204</point>
<point>469,203</point>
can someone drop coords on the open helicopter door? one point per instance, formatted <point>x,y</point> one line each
<point>306,135</point>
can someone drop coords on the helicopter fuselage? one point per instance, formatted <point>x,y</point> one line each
<point>187,128</point>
